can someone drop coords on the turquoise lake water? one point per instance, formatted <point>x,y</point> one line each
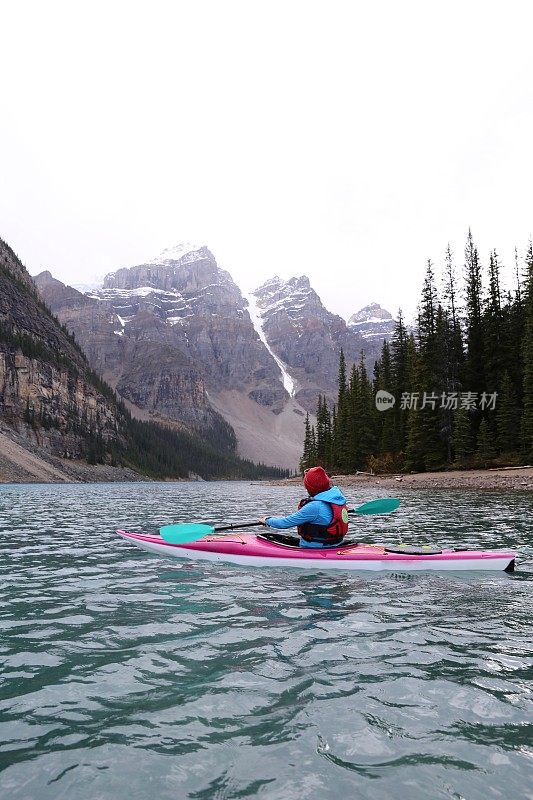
<point>127,676</point>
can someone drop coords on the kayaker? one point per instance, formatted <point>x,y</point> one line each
<point>322,518</point>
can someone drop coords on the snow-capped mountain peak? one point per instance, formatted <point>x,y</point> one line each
<point>372,320</point>
<point>291,296</point>
<point>177,252</point>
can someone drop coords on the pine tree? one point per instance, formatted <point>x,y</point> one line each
<point>312,447</point>
<point>517,277</point>
<point>342,440</point>
<point>365,416</point>
<point>320,432</point>
<point>305,461</point>
<point>400,384</point>
<point>451,309</point>
<point>475,360</point>
<point>428,308</point>
<point>328,436</point>
<point>385,420</point>
<point>494,327</point>
<point>323,432</point>
<point>342,377</point>
<point>414,445</point>
<point>450,287</point>
<point>328,441</point>
<point>507,417</point>
<point>353,449</point>
<point>513,330</point>
<point>485,444</point>
<point>332,455</point>
<point>426,447</point>
<point>527,354</point>
<point>463,442</point>
<point>445,378</point>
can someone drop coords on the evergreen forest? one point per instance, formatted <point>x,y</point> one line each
<point>462,380</point>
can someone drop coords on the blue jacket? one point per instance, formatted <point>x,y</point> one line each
<point>317,511</point>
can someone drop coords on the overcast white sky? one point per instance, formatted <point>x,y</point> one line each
<point>348,141</point>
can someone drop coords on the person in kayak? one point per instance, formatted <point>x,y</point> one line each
<point>322,518</point>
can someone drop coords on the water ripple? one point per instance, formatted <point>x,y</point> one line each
<point>127,676</point>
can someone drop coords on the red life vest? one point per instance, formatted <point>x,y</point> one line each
<point>330,534</point>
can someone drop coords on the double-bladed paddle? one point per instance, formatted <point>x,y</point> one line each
<point>186,532</point>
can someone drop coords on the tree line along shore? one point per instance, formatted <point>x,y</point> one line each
<point>456,393</point>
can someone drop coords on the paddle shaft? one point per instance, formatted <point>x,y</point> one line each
<point>236,525</point>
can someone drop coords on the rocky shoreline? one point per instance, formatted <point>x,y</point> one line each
<point>23,462</point>
<point>518,479</point>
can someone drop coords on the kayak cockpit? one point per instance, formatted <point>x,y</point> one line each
<point>289,540</point>
<point>293,542</point>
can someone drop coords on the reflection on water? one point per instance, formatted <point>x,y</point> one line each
<point>130,676</point>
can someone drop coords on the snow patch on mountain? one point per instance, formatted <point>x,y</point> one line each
<point>290,297</point>
<point>140,291</point>
<point>176,253</point>
<point>257,320</point>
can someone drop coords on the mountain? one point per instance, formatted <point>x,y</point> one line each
<point>174,337</point>
<point>48,392</point>
<point>178,341</point>
<point>372,321</point>
<point>307,338</point>
<point>203,315</point>
<point>57,414</point>
<point>144,367</point>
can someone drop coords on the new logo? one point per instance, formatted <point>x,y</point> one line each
<point>384,400</point>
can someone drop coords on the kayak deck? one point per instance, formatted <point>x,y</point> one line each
<point>251,550</point>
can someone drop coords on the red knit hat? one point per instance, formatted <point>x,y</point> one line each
<point>316,480</point>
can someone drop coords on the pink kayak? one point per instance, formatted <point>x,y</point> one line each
<point>261,551</point>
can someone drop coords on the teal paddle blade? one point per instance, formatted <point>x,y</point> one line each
<point>183,533</point>
<point>382,506</point>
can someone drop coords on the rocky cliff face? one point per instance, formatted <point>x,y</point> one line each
<point>174,337</point>
<point>184,300</point>
<point>144,366</point>
<point>92,324</point>
<point>308,338</point>
<point>47,390</point>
